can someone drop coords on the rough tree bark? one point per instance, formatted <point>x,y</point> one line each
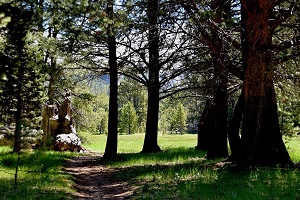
<point>261,140</point>
<point>150,142</point>
<point>112,136</point>
<point>49,125</point>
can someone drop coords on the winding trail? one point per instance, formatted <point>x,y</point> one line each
<point>93,180</point>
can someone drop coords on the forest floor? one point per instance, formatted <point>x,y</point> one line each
<point>93,180</point>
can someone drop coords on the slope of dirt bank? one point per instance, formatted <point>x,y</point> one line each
<point>93,180</point>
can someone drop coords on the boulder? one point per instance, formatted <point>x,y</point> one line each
<point>68,142</point>
<point>29,136</point>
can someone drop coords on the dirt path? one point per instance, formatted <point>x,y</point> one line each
<point>94,181</point>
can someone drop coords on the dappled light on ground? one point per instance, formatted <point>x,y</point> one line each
<point>178,173</point>
<point>95,181</point>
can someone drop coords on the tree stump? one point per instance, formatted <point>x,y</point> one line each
<point>58,127</point>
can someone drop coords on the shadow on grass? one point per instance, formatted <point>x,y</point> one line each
<point>38,161</point>
<point>31,188</point>
<point>40,176</point>
<point>168,155</point>
<point>182,174</point>
<point>169,164</point>
<point>119,177</point>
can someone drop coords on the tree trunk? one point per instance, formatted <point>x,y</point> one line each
<point>261,139</point>
<point>204,126</point>
<point>112,136</point>
<point>150,142</point>
<point>217,147</point>
<point>18,114</point>
<point>234,129</point>
<point>52,84</point>
<point>18,35</point>
<point>54,72</point>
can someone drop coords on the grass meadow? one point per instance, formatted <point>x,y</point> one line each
<point>40,175</point>
<point>178,172</point>
<point>134,143</point>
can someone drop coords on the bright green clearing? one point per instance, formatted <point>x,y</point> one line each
<point>178,172</point>
<point>134,143</point>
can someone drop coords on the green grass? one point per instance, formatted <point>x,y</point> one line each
<point>178,172</point>
<point>134,143</point>
<point>181,173</point>
<point>293,147</point>
<point>40,175</point>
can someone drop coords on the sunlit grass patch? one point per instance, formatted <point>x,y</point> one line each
<point>134,143</point>
<point>40,176</point>
<point>222,184</point>
<point>169,156</point>
<point>178,172</point>
<point>183,173</point>
<point>293,147</point>
<point>5,149</point>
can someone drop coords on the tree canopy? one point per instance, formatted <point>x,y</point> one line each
<point>225,69</point>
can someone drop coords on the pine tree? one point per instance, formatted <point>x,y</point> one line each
<point>128,119</point>
<point>181,118</point>
<point>112,135</point>
<point>21,85</point>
